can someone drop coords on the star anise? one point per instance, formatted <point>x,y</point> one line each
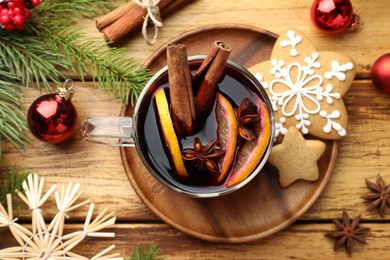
<point>205,157</point>
<point>347,231</point>
<point>247,117</point>
<point>379,195</point>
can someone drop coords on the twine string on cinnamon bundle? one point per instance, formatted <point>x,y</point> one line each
<point>137,14</point>
<point>153,14</point>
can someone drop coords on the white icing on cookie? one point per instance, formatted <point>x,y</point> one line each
<point>305,89</point>
<point>279,127</point>
<point>293,42</point>
<point>338,70</point>
<point>331,124</point>
<point>259,77</point>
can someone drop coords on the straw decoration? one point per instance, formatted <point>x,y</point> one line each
<point>50,242</point>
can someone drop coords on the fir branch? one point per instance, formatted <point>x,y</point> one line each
<point>117,75</point>
<point>51,44</point>
<point>71,9</point>
<point>147,252</point>
<point>12,119</point>
<point>10,181</point>
<point>30,61</point>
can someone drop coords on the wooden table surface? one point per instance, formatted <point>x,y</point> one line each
<point>363,153</point>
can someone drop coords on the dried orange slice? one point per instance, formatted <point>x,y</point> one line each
<point>250,153</point>
<point>170,138</point>
<point>226,133</point>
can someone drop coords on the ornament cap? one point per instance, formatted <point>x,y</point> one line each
<point>66,91</point>
<point>356,23</point>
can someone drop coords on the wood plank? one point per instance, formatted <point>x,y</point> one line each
<point>299,241</point>
<point>364,46</point>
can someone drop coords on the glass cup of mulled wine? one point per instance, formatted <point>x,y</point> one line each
<point>228,147</point>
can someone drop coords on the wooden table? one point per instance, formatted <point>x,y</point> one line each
<point>364,153</point>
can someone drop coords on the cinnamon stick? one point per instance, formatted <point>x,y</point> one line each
<point>134,18</point>
<point>208,75</point>
<point>105,20</point>
<point>180,89</point>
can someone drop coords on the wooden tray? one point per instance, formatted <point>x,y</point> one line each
<point>258,209</point>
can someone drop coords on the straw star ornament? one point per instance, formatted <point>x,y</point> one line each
<point>48,241</point>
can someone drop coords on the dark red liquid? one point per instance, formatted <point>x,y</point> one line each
<point>233,85</point>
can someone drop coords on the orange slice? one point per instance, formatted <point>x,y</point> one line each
<point>250,153</point>
<point>226,132</point>
<point>170,138</point>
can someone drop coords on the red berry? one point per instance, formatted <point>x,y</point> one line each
<point>18,10</point>
<point>11,5</point>
<point>11,13</point>
<point>27,14</point>
<point>20,4</point>
<point>4,11</point>
<point>5,19</point>
<point>35,2</point>
<point>9,27</point>
<point>18,20</point>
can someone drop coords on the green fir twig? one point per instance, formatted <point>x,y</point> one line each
<point>29,60</point>
<point>52,44</point>
<point>119,76</point>
<point>12,120</point>
<point>10,181</point>
<point>146,252</point>
<point>70,10</point>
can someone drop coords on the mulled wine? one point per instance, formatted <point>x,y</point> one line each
<point>205,151</point>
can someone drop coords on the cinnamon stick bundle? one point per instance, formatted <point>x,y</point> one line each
<point>180,89</point>
<point>130,17</point>
<point>208,75</point>
<point>105,20</point>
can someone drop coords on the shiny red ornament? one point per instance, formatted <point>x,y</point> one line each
<point>380,73</point>
<point>52,118</point>
<point>331,16</point>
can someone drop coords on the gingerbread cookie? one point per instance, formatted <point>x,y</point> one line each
<point>296,158</point>
<point>306,86</point>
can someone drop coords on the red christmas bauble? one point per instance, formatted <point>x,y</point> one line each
<point>380,73</point>
<point>52,118</point>
<point>331,16</point>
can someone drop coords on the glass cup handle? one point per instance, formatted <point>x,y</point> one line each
<point>113,131</point>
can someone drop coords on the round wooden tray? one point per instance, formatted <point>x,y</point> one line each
<point>258,209</point>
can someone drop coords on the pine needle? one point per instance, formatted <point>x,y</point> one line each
<point>146,252</point>
<point>72,9</point>
<point>30,61</point>
<point>12,119</point>
<point>10,181</point>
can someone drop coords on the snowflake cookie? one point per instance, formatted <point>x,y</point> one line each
<point>306,86</point>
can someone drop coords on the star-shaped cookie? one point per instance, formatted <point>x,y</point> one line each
<point>306,86</point>
<point>296,158</point>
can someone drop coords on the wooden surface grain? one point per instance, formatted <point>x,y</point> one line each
<point>363,153</point>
